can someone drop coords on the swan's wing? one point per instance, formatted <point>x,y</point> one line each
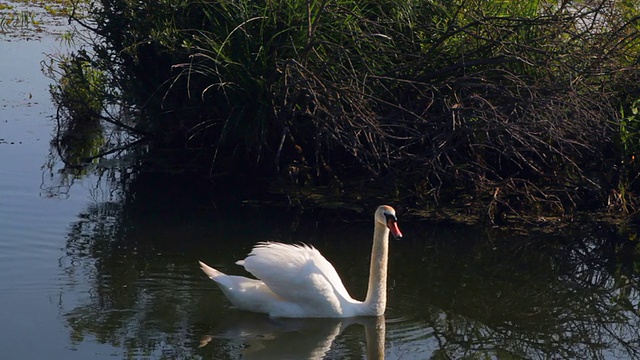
<point>297,273</point>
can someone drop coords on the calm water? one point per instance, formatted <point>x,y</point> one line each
<point>88,271</point>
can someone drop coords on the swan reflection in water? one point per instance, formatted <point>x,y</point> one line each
<point>263,337</point>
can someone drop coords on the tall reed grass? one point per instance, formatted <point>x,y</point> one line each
<point>510,103</point>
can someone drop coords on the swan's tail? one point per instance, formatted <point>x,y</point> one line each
<point>211,272</point>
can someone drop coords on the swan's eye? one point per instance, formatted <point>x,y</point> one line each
<point>390,217</point>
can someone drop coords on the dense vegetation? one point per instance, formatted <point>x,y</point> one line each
<point>510,105</point>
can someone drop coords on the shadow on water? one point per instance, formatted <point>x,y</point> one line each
<point>455,291</point>
<point>568,296</point>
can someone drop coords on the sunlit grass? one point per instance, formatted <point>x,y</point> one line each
<point>510,102</point>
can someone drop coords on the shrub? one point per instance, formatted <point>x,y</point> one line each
<point>509,103</point>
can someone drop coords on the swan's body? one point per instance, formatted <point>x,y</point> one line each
<point>297,281</point>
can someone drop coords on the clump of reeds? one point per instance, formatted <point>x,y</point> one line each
<point>507,102</point>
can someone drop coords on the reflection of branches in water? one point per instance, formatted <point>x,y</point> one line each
<point>606,286</point>
<point>149,304</point>
<point>79,149</point>
<point>107,164</point>
<point>545,297</point>
<point>129,306</point>
<point>106,182</point>
<point>531,299</point>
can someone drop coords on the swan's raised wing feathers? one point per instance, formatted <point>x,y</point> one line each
<point>297,273</point>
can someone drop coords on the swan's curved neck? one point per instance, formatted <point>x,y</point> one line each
<point>376,300</point>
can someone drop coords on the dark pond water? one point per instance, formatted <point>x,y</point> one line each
<point>90,271</point>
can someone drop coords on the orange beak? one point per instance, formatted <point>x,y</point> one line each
<point>393,227</point>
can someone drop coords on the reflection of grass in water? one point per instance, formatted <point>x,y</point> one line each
<point>33,15</point>
<point>11,17</point>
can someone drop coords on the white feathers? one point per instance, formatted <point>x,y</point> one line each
<point>294,271</point>
<point>297,281</point>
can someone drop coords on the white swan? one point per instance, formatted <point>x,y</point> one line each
<point>297,281</point>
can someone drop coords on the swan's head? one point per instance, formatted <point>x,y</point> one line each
<point>386,216</point>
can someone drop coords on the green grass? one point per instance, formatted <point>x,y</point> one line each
<point>506,102</point>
